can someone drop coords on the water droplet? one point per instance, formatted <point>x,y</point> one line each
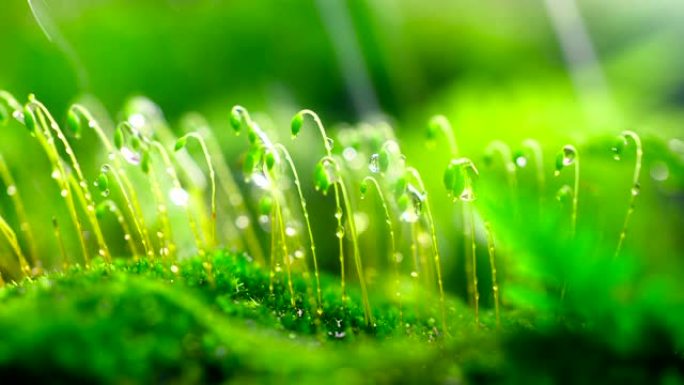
<point>329,143</point>
<point>105,193</point>
<point>137,120</point>
<point>160,235</point>
<point>569,155</point>
<point>414,274</point>
<point>64,193</point>
<point>338,213</point>
<point>179,196</point>
<point>290,231</point>
<point>339,233</point>
<point>339,335</point>
<point>101,252</point>
<point>374,164</point>
<point>130,156</point>
<point>349,154</point>
<point>242,222</point>
<point>127,237</point>
<point>174,269</point>
<point>55,174</point>
<point>467,195</point>
<point>636,189</point>
<point>11,190</point>
<point>261,180</point>
<point>660,171</point>
<point>521,161</point>
<point>398,257</point>
<point>299,254</point>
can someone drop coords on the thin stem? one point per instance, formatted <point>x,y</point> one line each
<point>138,226</point>
<point>368,314</point>
<point>327,144</point>
<point>447,129</point>
<point>575,194</point>
<point>212,178</point>
<point>492,265</point>
<point>171,171</point>
<point>435,249</point>
<point>473,243</point>
<point>534,147</point>
<point>114,209</point>
<point>235,198</point>
<point>24,224</point>
<point>393,243</point>
<point>307,221</point>
<point>59,174</point>
<point>84,194</point>
<point>636,187</point>
<point>284,250</point>
<point>11,237</point>
<point>131,195</point>
<point>167,247</point>
<point>60,241</point>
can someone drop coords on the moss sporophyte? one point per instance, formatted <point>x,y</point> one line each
<point>184,224</point>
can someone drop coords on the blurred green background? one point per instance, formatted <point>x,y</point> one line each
<point>557,71</point>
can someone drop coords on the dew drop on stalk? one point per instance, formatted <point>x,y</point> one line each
<point>242,222</point>
<point>290,231</point>
<point>55,174</point>
<point>329,142</point>
<point>338,213</point>
<point>64,193</point>
<point>179,196</point>
<point>636,189</point>
<point>11,190</point>
<point>398,257</point>
<point>414,274</point>
<point>299,254</point>
<point>339,233</point>
<point>130,156</point>
<point>521,161</point>
<point>374,164</point>
<point>349,154</point>
<point>105,193</point>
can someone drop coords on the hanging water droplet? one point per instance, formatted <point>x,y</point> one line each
<point>339,233</point>
<point>467,195</point>
<point>521,161</point>
<point>55,174</point>
<point>329,142</point>
<point>64,193</point>
<point>11,190</point>
<point>569,155</point>
<point>127,237</point>
<point>374,164</point>
<point>290,231</point>
<point>105,193</point>
<point>179,196</point>
<point>242,222</point>
<point>636,189</point>
<point>338,213</point>
<point>260,180</point>
<point>130,156</point>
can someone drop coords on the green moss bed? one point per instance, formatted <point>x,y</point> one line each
<point>151,322</point>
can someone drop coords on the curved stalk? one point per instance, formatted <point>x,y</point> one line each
<point>46,142</point>
<point>307,221</point>
<point>171,171</point>
<point>435,250</point>
<point>535,149</point>
<point>235,198</point>
<point>130,195</point>
<point>635,190</point>
<point>327,143</point>
<point>368,314</point>
<point>11,238</point>
<point>212,178</point>
<point>393,244</point>
<point>111,207</point>
<point>492,266</point>
<point>84,193</point>
<point>441,123</point>
<point>569,156</point>
<point>19,208</point>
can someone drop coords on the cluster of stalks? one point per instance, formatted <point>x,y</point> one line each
<point>144,148</point>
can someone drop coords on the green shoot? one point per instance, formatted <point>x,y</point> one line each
<point>180,144</point>
<point>322,182</point>
<point>60,242</point>
<point>440,123</point>
<point>307,220</point>
<point>76,117</point>
<point>435,249</point>
<point>11,238</point>
<point>458,179</point>
<point>618,148</point>
<point>108,206</point>
<point>18,203</point>
<point>568,156</point>
<point>82,190</point>
<point>394,259</point>
<point>334,176</point>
